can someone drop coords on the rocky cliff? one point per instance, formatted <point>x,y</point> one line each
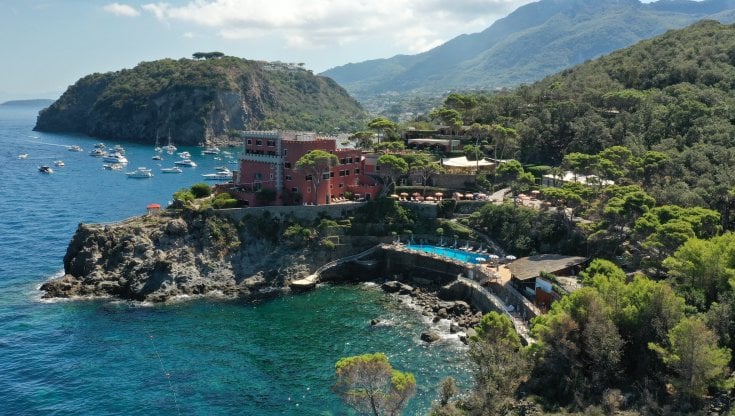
<point>195,100</point>
<point>156,258</point>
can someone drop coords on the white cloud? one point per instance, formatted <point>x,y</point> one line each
<point>409,25</point>
<point>119,9</point>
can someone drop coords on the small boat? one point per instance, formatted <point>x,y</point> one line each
<point>140,173</point>
<point>222,174</point>
<point>157,157</point>
<point>97,152</point>
<point>119,149</point>
<point>115,158</point>
<point>45,169</point>
<point>113,166</point>
<point>23,156</point>
<point>186,162</point>
<point>75,148</point>
<point>226,154</point>
<point>174,169</point>
<point>211,150</point>
<point>59,163</point>
<point>99,146</point>
<point>184,155</point>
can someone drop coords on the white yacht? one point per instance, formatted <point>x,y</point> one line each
<point>75,148</point>
<point>140,173</point>
<point>97,152</point>
<point>211,150</point>
<point>184,155</point>
<point>119,149</point>
<point>45,169</point>
<point>157,157</point>
<point>186,162</point>
<point>23,156</point>
<point>115,158</point>
<point>174,169</point>
<point>222,174</point>
<point>59,163</point>
<point>170,148</point>
<point>113,166</point>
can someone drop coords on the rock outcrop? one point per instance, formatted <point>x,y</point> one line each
<point>156,258</point>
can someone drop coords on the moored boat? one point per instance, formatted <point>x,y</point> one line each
<point>115,158</point>
<point>141,172</point>
<point>97,152</point>
<point>186,162</point>
<point>113,166</point>
<point>59,163</point>
<point>23,156</point>
<point>45,169</point>
<point>75,148</point>
<point>157,157</point>
<point>174,169</point>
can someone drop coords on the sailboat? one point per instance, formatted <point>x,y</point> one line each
<point>158,147</point>
<point>170,148</point>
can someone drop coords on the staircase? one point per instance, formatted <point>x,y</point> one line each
<point>310,281</point>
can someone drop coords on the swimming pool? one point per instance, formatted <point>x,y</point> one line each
<point>451,253</point>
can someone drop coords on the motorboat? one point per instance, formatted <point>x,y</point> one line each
<point>157,157</point>
<point>75,148</point>
<point>184,155</point>
<point>23,156</point>
<point>59,163</point>
<point>99,146</point>
<point>113,166</point>
<point>97,152</point>
<point>115,158</point>
<point>222,174</point>
<point>141,172</point>
<point>211,150</point>
<point>170,148</point>
<point>174,169</point>
<point>119,149</point>
<point>45,169</point>
<point>186,162</point>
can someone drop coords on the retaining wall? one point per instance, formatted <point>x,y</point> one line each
<point>302,212</point>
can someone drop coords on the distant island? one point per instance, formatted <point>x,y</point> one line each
<point>36,102</point>
<point>197,100</point>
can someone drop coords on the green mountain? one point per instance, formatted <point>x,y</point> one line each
<point>536,40</point>
<point>192,99</point>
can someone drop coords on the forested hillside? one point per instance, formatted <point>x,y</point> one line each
<point>672,95</point>
<point>187,97</point>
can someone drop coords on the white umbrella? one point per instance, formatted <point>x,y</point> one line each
<point>480,259</point>
<point>510,257</point>
<point>494,256</point>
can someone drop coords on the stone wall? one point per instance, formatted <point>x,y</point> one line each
<point>421,209</point>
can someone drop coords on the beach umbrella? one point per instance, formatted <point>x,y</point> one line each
<point>468,196</point>
<point>404,193</point>
<point>429,198</point>
<point>494,256</point>
<point>510,257</point>
<point>394,196</point>
<point>480,259</point>
<point>439,194</point>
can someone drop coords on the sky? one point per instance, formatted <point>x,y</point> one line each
<point>47,45</point>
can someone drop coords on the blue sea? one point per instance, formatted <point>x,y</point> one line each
<point>196,357</point>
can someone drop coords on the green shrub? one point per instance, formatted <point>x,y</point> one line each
<point>183,195</point>
<point>201,190</point>
<point>265,196</point>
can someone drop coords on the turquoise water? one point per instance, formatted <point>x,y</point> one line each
<point>201,357</point>
<point>451,253</point>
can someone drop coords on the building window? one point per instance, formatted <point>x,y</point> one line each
<point>325,175</point>
<point>308,177</point>
<point>308,190</point>
<point>258,176</point>
<point>294,190</point>
<point>271,143</point>
<point>357,171</point>
<point>287,165</point>
<point>343,161</point>
<point>285,152</point>
<point>258,142</point>
<point>257,186</point>
<point>341,173</point>
<point>331,174</point>
<point>288,177</point>
<point>341,185</point>
<point>350,160</point>
<point>271,176</point>
<point>250,141</point>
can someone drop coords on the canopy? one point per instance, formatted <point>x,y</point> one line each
<point>510,257</point>
<point>462,162</point>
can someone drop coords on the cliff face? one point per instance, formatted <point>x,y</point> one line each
<point>194,99</point>
<point>155,258</point>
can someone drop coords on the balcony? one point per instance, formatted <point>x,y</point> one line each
<point>253,157</point>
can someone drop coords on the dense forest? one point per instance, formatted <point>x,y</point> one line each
<point>653,328</point>
<point>196,98</point>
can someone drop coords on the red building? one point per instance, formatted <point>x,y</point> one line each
<point>269,162</point>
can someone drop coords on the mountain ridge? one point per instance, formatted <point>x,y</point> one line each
<point>535,40</point>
